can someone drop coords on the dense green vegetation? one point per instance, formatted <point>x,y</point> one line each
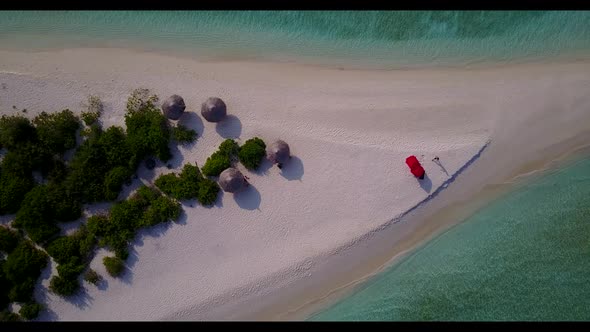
<point>43,189</point>
<point>222,158</point>
<point>32,146</point>
<point>114,265</point>
<point>72,253</point>
<point>90,118</point>
<point>183,134</point>
<point>8,239</point>
<point>43,207</point>
<point>92,277</point>
<point>30,310</point>
<point>13,190</point>
<point>141,98</point>
<point>147,207</point>
<point>6,316</point>
<point>15,130</point>
<point>252,152</point>
<point>99,167</point>
<point>114,181</point>
<point>189,184</point>
<point>208,190</point>
<point>5,287</point>
<point>148,130</point>
<point>94,108</point>
<point>37,148</point>
<point>57,131</point>
<point>19,272</point>
<point>100,153</point>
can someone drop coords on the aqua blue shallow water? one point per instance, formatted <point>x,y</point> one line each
<point>364,38</point>
<point>524,257</point>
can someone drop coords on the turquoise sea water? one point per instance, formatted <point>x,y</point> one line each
<point>524,257</point>
<point>366,38</point>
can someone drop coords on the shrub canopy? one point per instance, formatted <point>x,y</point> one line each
<point>8,239</point>
<point>57,131</point>
<point>252,153</point>
<point>16,130</point>
<point>114,266</point>
<point>222,158</point>
<point>183,134</point>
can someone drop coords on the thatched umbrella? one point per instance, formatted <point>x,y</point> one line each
<point>279,152</point>
<point>213,109</point>
<point>173,107</point>
<point>231,180</point>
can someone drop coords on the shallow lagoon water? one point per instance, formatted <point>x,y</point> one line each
<point>523,257</point>
<point>373,39</point>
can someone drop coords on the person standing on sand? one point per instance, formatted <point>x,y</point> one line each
<point>436,160</point>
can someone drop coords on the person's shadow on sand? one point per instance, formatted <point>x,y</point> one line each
<point>441,166</point>
<point>426,183</point>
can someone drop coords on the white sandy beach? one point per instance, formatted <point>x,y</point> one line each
<point>297,233</point>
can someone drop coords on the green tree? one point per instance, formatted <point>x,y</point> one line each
<point>8,239</point>
<point>208,191</point>
<point>64,249</point>
<point>5,286</point>
<point>22,291</point>
<point>98,225</point>
<point>168,184</point>
<point>183,134</point>
<point>162,209</point>
<point>90,118</point>
<point>15,130</point>
<point>252,153</point>
<point>229,147</point>
<point>21,269</point>
<point>12,191</point>
<point>6,316</point>
<point>57,131</point>
<point>24,262</point>
<point>65,205</point>
<point>30,310</point>
<point>115,147</point>
<point>114,180</point>
<point>92,277</point>
<point>36,215</point>
<point>71,270</point>
<point>216,163</point>
<point>148,133</point>
<point>114,266</point>
<point>222,158</point>
<point>62,286</point>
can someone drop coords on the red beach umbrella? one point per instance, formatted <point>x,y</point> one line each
<point>415,167</point>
